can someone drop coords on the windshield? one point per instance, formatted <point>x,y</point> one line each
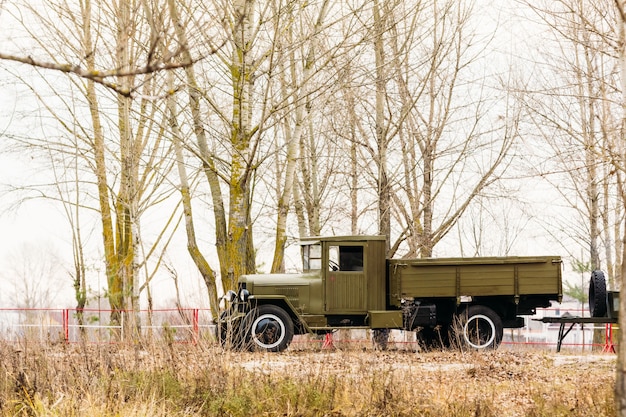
<point>312,257</point>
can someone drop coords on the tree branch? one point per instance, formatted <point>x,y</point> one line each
<point>98,76</point>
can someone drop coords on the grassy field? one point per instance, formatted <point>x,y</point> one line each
<point>204,380</point>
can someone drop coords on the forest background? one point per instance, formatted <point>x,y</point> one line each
<point>154,150</point>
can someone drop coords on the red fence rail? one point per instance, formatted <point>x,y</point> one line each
<point>189,325</point>
<point>102,326</point>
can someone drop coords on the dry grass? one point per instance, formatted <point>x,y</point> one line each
<point>203,380</point>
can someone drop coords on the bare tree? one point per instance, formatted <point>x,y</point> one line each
<point>573,108</point>
<point>620,383</point>
<point>572,111</point>
<point>82,68</point>
<point>420,135</point>
<point>299,95</point>
<point>120,156</point>
<point>269,69</point>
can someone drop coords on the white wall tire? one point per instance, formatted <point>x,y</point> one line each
<point>268,328</point>
<point>480,328</point>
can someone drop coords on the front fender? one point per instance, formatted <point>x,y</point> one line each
<point>285,304</point>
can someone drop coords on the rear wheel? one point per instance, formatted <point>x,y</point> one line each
<point>268,328</point>
<point>479,327</point>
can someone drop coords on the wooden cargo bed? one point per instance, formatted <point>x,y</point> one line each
<point>458,277</point>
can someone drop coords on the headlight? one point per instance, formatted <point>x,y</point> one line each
<point>230,296</point>
<point>243,295</point>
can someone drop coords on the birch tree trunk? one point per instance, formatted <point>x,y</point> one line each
<point>192,246</point>
<point>100,169</point>
<point>384,193</point>
<point>239,240</point>
<point>125,206</point>
<point>208,166</point>
<point>114,284</point>
<point>301,102</point>
<point>311,181</point>
<point>620,381</point>
<point>587,102</point>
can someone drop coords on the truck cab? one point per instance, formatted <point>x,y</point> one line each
<point>342,285</point>
<point>352,270</point>
<point>343,278</point>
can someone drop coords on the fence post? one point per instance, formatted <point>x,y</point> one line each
<point>196,327</point>
<point>66,324</point>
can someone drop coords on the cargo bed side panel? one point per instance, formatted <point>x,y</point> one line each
<point>487,280</point>
<point>454,277</point>
<point>426,281</point>
<point>538,278</point>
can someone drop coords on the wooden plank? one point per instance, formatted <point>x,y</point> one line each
<point>455,277</point>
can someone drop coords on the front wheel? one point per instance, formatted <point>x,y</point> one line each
<point>268,328</point>
<point>479,327</point>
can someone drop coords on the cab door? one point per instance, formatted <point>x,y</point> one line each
<point>346,284</point>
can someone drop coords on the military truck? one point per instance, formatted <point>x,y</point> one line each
<point>347,283</point>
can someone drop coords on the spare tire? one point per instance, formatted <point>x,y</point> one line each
<point>597,294</point>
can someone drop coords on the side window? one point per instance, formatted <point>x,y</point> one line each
<point>312,257</point>
<point>345,258</point>
<point>351,258</point>
<point>333,258</point>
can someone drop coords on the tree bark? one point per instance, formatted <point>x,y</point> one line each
<point>114,284</point>
<point>620,381</point>
<point>301,102</point>
<point>239,239</point>
<point>384,192</point>
<point>192,246</point>
<point>208,164</point>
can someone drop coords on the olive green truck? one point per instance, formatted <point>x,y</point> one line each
<point>347,283</point>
